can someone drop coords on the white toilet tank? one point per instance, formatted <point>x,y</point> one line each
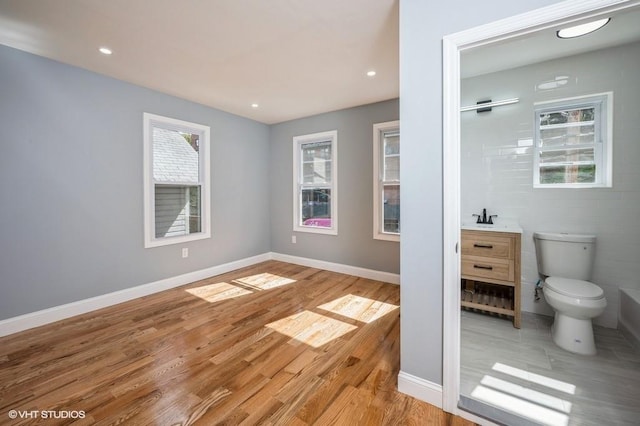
<point>565,255</point>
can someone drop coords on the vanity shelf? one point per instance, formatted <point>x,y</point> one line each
<point>491,272</point>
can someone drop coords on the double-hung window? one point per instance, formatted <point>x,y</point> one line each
<point>176,181</point>
<point>573,143</point>
<point>315,177</point>
<point>386,181</point>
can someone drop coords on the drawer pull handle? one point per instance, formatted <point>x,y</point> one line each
<point>487,246</point>
<point>483,267</point>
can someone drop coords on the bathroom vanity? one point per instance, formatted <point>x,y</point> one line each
<point>490,269</point>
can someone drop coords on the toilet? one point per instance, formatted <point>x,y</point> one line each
<point>565,261</point>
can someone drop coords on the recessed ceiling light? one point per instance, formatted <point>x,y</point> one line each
<point>254,105</point>
<point>371,73</point>
<point>580,30</point>
<point>105,51</point>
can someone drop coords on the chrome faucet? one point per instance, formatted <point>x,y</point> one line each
<point>483,217</point>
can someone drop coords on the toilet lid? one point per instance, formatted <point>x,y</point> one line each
<point>574,288</point>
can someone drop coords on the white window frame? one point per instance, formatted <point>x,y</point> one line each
<point>379,129</point>
<point>603,124</point>
<point>328,136</point>
<point>149,122</point>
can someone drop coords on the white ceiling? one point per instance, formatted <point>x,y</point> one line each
<point>544,45</point>
<point>294,58</point>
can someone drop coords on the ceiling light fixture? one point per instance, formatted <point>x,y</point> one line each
<point>487,105</point>
<point>371,73</point>
<point>254,105</point>
<point>105,51</point>
<point>559,81</point>
<point>582,29</point>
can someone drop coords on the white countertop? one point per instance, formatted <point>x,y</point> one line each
<point>500,225</point>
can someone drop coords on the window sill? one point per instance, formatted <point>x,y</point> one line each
<point>572,186</point>
<point>386,237</point>
<point>316,230</point>
<point>159,242</point>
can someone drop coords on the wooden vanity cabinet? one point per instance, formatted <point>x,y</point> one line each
<point>490,272</point>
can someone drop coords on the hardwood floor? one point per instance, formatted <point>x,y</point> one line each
<point>273,343</point>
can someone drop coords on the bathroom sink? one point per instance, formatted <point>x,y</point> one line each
<point>502,226</point>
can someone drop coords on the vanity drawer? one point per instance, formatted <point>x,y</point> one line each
<point>487,245</point>
<point>483,267</point>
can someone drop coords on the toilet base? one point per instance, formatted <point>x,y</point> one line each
<point>574,335</point>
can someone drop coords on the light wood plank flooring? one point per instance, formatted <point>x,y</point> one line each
<point>274,343</point>
<point>522,371</point>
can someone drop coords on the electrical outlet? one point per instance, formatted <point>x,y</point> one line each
<point>185,252</point>
<point>293,239</point>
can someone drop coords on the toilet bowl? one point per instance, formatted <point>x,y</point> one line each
<point>575,303</point>
<point>565,262</point>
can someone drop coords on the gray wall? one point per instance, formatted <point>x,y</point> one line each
<point>354,245</point>
<point>497,166</point>
<point>422,26</point>
<point>71,221</point>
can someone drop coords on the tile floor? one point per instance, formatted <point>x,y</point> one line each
<point>524,372</point>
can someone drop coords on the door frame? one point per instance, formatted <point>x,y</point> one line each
<point>529,22</point>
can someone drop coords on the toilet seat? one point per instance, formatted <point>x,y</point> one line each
<point>574,288</point>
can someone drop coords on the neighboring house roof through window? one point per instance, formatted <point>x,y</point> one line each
<point>174,158</point>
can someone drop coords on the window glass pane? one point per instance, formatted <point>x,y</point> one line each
<point>175,156</point>
<point>391,168</point>
<point>568,174</point>
<point>316,162</point>
<point>391,208</point>
<point>316,172</point>
<point>316,150</point>
<point>567,116</point>
<point>567,156</point>
<point>177,210</point>
<point>391,156</point>
<point>316,207</point>
<point>391,144</point>
<point>195,213</point>
<point>559,136</point>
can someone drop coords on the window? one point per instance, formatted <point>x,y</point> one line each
<point>315,177</point>
<point>386,181</point>
<point>573,143</point>
<point>176,181</point>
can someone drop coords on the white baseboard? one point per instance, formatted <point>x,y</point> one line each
<point>421,389</point>
<point>357,271</point>
<point>57,313</point>
<point>431,393</point>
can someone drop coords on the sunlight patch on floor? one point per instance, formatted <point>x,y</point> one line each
<point>359,308</point>
<point>520,407</point>
<point>218,292</point>
<point>264,281</point>
<point>535,378</point>
<point>311,328</point>
<point>522,392</point>
<point>241,287</point>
